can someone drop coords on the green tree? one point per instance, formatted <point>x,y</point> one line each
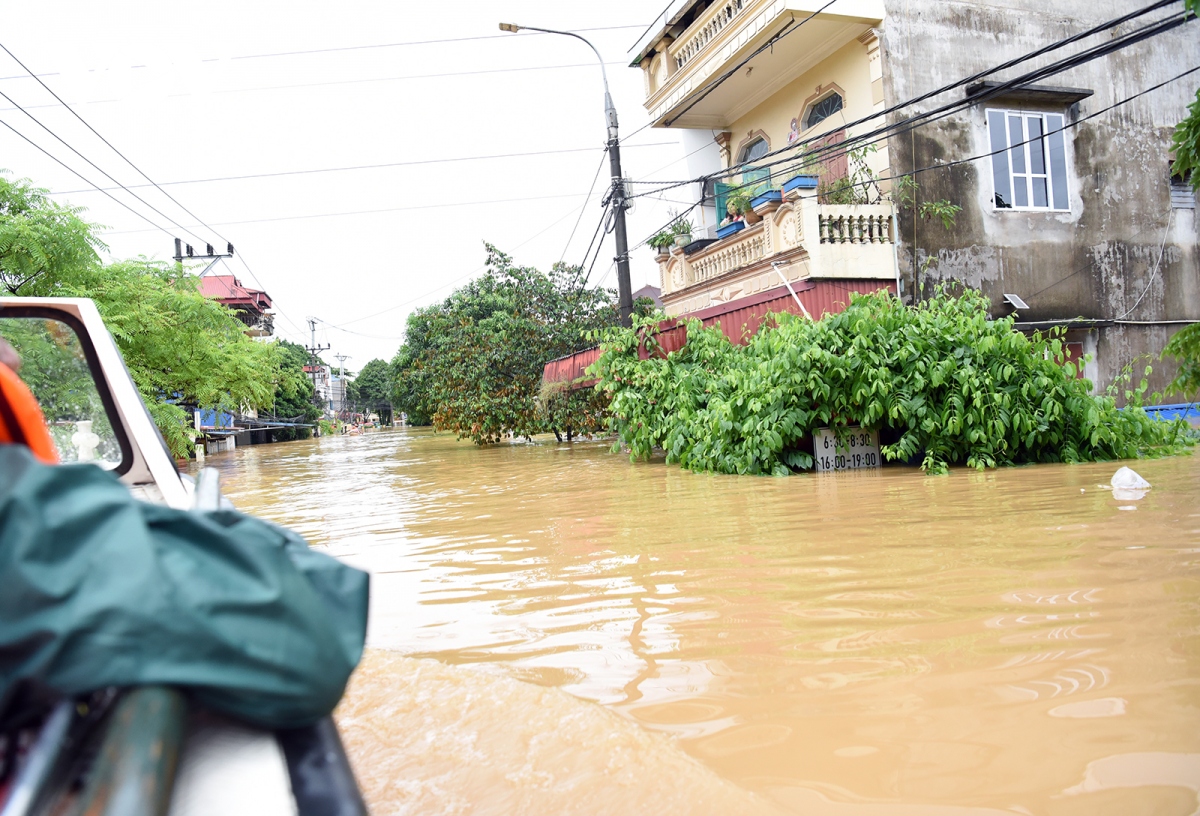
<point>179,346</point>
<point>373,388</point>
<point>293,392</point>
<point>1186,142</point>
<point>41,241</point>
<point>411,392</point>
<point>480,354</point>
<point>948,383</point>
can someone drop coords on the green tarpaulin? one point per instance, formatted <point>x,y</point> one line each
<point>98,589</point>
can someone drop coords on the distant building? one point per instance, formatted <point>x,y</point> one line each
<point>322,379</point>
<point>649,291</point>
<point>252,306</point>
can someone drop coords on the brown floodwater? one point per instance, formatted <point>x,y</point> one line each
<point>557,630</point>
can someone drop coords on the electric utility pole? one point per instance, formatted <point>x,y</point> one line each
<point>617,197</point>
<point>211,257</point>
<point>342,358</point>
<point>313,350</point>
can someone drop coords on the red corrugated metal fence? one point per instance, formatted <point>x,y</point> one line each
<point>739,320</point>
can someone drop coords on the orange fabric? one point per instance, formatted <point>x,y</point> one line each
<point>21,419</point>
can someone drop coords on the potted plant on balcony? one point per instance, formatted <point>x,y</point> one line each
<point>738,211</point>
<point>662,241</point>
<point>681,228</point>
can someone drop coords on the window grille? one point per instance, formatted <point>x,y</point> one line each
<point>822,110</point>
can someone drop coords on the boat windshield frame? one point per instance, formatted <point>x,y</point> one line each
<point>34,312</point>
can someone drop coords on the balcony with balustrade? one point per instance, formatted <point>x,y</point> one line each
<point>789,236</point>
<point>700,40</point>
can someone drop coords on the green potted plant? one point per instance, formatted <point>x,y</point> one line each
<point>662,241</point>
<point>681,229</point>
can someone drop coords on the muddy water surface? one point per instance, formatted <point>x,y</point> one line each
<point>556,630</point>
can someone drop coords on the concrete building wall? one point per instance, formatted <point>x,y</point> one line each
<point>1121,252</point>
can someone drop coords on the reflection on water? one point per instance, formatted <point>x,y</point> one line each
<point>864,643</point>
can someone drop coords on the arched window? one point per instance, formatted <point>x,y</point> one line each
<point>820,111</point>
<point>754,151</point>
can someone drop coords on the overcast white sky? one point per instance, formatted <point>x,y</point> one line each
<point>195,91</point>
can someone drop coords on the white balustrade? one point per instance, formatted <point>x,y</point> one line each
<point>845,241</point>
<point>710,24</point>
<point>855,224</point>
<point>729,255</point>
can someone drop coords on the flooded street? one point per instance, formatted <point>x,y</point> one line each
<point>557,630</point>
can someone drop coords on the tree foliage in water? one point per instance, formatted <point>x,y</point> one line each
<point>954,387</point>
<point>473,364</point>
<point>293,393</point>
<point>411,392</point>
<point>372,388</point>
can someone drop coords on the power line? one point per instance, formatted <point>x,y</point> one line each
<point>494,156</point>
<point>344,48</point>
<point>712,86</point>
<point>338,83</point>
<point>911,122</point>
<point>417,42</point>
<point>107,142</point>
<point>957,162</point>
<point>382,210</point>
<point>163,230</point>
<point>140,172</point>
<point>464,276</point>
<point>591,189</point>
<point>107,175</point>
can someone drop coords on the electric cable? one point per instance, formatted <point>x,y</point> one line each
<point>348,168</point>
<point>1154,273</point>
<point>418,42</point>
<point>377,211</point>
<point>910,123</point>
<point>161,229</point>
<point>465,275</point>
<point>603,228</point>
<point>989,154</point>
<point>107,142</point>
<point>105,173</point>
<point>127,161</point>
<point>791,28</point>
<point>596,178</point>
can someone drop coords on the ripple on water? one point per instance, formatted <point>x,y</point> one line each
<point>871,643</point>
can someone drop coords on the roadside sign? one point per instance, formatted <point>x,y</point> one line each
<point>857,449</point>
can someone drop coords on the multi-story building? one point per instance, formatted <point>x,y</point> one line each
<point>322,378</point>
<point>1069,215</point>
<point>252,306</point>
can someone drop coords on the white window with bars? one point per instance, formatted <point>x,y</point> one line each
<point>1029,160</point>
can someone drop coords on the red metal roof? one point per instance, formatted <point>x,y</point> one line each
<point>739,320</point>
<point>229,290</point>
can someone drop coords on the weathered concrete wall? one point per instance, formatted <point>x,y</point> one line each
<point>1121,252</point>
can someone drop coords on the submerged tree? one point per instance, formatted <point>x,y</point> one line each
<point>949,384</point>
<point>293,393</point>
<point>372,388</point>
<point>475,361</point>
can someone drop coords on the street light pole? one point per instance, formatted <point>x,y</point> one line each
<point>624,289</point>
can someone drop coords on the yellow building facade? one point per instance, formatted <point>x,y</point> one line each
<point>769,82</point>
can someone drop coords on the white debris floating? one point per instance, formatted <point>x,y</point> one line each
<point>1127,484</point>
<point>1129,479</point>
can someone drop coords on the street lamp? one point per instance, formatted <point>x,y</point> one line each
<point>624,290</point>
